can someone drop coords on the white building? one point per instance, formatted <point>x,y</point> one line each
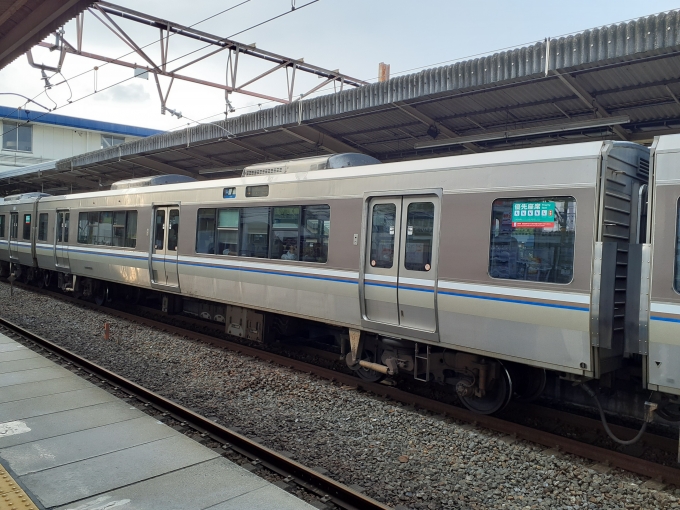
<point>51,137</point>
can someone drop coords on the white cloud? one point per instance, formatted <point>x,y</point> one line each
<point>132,93</point>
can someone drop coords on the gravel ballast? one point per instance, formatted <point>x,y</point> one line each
<point>398,455</point>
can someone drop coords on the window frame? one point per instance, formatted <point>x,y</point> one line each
<point>270,230</point>
<point>17,126</point>
<point>527,199</point>
<point>111,137</point>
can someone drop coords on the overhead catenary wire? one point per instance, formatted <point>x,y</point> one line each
<point>169,61</point>
<point>96,68</point>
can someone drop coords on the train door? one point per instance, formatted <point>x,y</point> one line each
<point>61,241</point>
<point>14,237</point>
<point>400,262</point>
<point>164,249</point>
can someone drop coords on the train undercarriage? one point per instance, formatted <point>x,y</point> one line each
<point>483,384</point>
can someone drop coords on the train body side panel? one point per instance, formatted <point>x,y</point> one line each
<point>545,323</point>
<point>663,359</point>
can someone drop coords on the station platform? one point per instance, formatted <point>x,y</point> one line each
<point>68,444</point>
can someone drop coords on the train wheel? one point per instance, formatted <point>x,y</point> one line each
<point>528,382</point>
<point>133,295</point>
<point>101,293</point>
<point>496,397</point>
<point>366,374</point>
<point>47,279</point>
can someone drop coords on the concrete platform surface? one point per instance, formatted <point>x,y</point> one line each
<point>71,445</point>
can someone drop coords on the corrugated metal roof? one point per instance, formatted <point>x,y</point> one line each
<point>24,23</point>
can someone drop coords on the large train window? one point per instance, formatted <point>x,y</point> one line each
<point>27,227</point>
<point>42,227</point>
<point>284,233</point>
<point>107,228</point>
<point>533,239</point>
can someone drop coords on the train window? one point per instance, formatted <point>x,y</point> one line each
<point>2,226</point>
<point>62,226</point>
<point>13,225</point>
<point>316,227</point>
<point>173,229</point>
<point>382,235</point>
<point>533,239</point>
<point>27,226</point>
<point>105,228</point>
<point>88,227</point>
<point>205,231</point>
<point>676,273</point>
<point>159,235</point>
<point>42,227</point>
<point>254,232</point>
<point>285,237</point>
<point>257,191</point>
<point>419,234</point>
<point>227,231</point>
<point>131,229</point>
<point>118,229</point>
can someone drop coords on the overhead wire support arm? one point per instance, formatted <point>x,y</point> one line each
<point>198,35</point>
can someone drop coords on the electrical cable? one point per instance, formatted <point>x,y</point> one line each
<point>590,392</point>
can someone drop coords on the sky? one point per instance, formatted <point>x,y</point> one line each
<point>353,36</point>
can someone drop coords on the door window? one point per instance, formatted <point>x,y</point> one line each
<point>2,226</point>
<point>382,235</point>
<point>173,229</point>
<point>60,227</point>
<point>159,235</point>
<point>27,226</point>
<point>66,218</point>
<point>419,234</point>
<point>14,226</point>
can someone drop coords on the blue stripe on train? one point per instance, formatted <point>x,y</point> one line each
<point>664,319</point>
<point>516,301</point>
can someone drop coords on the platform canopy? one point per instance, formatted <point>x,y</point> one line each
<point>620,82</point>
<point>25,23</point>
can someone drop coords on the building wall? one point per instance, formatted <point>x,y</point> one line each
<point>52,142</point>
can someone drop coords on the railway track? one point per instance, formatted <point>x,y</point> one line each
<point>604,456</point>
<point>326,489</point>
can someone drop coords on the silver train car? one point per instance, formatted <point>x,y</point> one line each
<point>482,272</point>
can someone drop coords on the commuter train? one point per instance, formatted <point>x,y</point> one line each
<point>488,273</point>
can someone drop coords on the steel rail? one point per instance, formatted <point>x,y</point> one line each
<point>338,493</point>
<point>598,454</point>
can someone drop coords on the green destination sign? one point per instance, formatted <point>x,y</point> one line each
<point>533,214</point>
